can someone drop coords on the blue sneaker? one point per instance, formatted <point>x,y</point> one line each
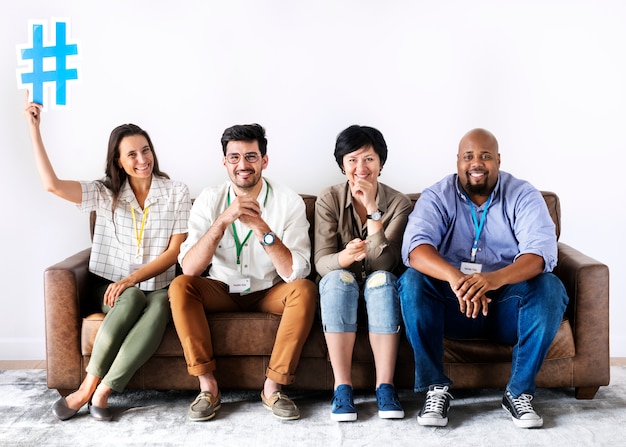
<point>388,403</point>
<point>343,408</point>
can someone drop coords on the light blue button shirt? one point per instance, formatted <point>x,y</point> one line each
<point>517,222</point>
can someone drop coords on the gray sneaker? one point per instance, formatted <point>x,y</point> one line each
<point>521,410</point>
<point>204,407</point>
<point>435,410</point>
<point>281,406</point>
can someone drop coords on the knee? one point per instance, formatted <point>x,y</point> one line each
<point>381,285</point>
<point>409,276</point>
<point>132,297</point>
<point>339,281</point>
<point>307,293</point>
<point>380,279</point>
<point>158,305</point>
<point>382,302</point>
<point>339,286</point>
<point>409,284</point>
<point>159,298</point>
<point>551,291</point>
<point>179,289</point>
<point>177,284</point>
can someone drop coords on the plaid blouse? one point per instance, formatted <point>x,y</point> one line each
<point>115,242</point>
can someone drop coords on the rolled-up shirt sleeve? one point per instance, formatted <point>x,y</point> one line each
<point>326,237</point>
<point>535,229</point>
<point>426,224</point>
<point>295,237</point>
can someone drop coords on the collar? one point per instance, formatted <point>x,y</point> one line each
<point>261,198</point>
<point>460,192</point>
<point>157,191</point>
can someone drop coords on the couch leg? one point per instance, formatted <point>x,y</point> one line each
<point>586,392</point>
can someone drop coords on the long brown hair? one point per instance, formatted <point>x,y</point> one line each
<point>115,176</point>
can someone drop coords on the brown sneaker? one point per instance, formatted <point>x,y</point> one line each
<point>282,407</point>
<point>204,407</point>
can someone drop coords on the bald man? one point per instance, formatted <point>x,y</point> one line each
<point>480,246</point>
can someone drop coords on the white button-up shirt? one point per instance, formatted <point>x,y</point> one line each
<point>285,213</point>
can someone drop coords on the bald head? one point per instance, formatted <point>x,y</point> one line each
<point>478,164</point>
<point>481,137</point>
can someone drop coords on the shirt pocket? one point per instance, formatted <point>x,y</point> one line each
<point>227,242</point>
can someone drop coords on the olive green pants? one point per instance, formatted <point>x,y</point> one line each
<point>130,333</point>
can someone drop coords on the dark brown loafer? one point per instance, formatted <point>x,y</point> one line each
<point>99,413</point>
<point>62,411</point>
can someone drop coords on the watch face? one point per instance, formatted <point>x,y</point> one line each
<point>268,239</point>
<point>376,215</point>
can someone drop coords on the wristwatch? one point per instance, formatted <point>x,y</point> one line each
<point>376,215</point>
<point>268,239</point>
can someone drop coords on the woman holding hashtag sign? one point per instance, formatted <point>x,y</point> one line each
<point>141,221</point>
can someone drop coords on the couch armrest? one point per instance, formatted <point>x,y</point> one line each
<point>587,283</point>
<point>65,284</point>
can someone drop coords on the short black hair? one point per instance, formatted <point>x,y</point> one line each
<point>245,132</point>
<point>355,137</point>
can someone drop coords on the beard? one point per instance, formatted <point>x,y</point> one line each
<point>480,189</point>
<point>248,183</point>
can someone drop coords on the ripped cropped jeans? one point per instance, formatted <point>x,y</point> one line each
<point>339,302</point>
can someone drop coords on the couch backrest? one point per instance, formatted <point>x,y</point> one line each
<point>552,201</point>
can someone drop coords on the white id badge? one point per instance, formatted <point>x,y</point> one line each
<point>471,267</point>
<point>239,285</point>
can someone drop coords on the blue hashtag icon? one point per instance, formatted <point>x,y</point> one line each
<point>37,55</point>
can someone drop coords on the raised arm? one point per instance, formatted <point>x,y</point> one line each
<point>66,189</point>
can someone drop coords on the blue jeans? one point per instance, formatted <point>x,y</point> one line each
<point>339,302</point>
<point>525,315</point>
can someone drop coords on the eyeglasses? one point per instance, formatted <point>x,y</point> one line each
<point>251,157</point>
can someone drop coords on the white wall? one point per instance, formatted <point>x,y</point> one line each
<point>547,77</point>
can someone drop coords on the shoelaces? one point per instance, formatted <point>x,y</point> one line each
<point>522,404</point>
<point>342,401</point>
<point>436,399</point>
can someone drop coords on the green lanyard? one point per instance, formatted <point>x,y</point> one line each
<point>239,245</point>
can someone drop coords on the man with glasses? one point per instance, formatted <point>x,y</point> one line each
<point>248,249</point>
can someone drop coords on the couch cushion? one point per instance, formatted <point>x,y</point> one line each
<point>234,333</point>
<point>483,351</point>
<point>253,333</point>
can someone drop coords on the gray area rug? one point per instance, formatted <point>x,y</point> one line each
<point>158,418</point>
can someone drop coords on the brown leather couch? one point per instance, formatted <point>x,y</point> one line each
<point>579,356</point>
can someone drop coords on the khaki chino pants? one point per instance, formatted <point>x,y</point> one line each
<point>191,297</point>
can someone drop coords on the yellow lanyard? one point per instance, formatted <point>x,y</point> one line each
<point>139,232</point>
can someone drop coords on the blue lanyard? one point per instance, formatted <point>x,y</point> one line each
<point>478,227</point>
